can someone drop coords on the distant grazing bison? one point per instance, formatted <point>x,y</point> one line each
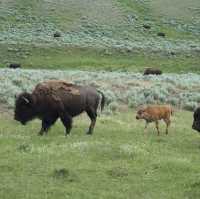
<point>196,120</point>
<point>154,113</point>
<point>57,34</point>
<point>152,71</point>
<point>146,26</point>
<point>161,34</point>
<point>55,99</point>
<point>14,65</point>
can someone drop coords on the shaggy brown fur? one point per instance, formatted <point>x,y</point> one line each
<point>55,99</point>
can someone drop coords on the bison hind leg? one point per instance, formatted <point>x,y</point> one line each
<point>92,115</point>
<point>168,122</point>
<point>67,122</point>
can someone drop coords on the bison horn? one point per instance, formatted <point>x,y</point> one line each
<point>26,100</point>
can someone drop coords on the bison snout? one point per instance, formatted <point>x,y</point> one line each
<point>137,117</point>
<point>196,127</point>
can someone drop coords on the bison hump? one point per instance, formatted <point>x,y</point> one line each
<point>52,87</point>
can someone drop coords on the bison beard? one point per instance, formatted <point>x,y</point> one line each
<point>58,99</point>
<point>196,120</point>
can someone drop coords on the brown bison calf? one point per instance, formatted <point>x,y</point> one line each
<point>154,113</point>
<point>55,99</point>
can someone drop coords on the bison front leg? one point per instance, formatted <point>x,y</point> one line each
<point>46,124</point>
<point>45,127</point>
<point>67,122</point>
<point>92,115</point>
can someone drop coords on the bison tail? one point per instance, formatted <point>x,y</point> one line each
<point>103,100</point>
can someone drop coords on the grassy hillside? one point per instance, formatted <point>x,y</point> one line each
<point>100,34</point>
<point>117,161</point>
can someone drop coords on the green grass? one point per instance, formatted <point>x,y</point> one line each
<point>94,59</point>
<point>178,9</point>
<point>154,12</point>
<point>33,20</point>
<point>117,161</point>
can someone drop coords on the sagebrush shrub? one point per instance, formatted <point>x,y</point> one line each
<point>129,88</point>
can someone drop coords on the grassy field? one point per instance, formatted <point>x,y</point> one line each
<point>69,57</point>
<point>118,161</point>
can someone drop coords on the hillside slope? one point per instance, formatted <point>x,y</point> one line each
<point>108,25</point>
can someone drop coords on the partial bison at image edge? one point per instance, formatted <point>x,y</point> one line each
<point>196,120</point>
<point>55,99</point>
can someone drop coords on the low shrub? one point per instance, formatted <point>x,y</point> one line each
<point>132,89</point>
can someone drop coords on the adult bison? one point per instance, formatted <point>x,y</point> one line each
<point>14,65</point>
<point>196,120</point>
<point>152,71</point>
<point>55,99</point>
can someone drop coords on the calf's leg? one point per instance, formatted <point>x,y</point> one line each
<point>92,115</point>
<point>157,127</point>
<point>145,128</point>
<point>167,121</point>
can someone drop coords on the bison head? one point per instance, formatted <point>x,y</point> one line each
<point>24,108</point>
<point>141,114</point>
<point>196,121</point>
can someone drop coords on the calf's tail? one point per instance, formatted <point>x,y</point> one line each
<point>103,100</point>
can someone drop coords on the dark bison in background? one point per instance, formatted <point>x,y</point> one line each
<point>161,34</point>
<point>152,71</point>
<point>57,34</point>
<point>55,99</point>
<point>196,120</point>
<point>14,65</point>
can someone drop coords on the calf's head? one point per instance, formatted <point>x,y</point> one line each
<point>24,108</point>
<point>141,114</point>
<point>196,120</point>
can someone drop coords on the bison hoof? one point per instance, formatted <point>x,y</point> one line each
<point>67,134</point>
<point>40,133</point>
<point>88,133</point>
